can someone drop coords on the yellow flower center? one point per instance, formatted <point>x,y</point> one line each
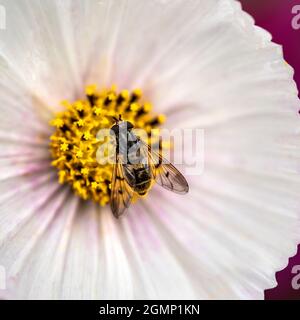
<point>74,144</point>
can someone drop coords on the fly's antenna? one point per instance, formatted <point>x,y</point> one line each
<point>120,117</point>
<point>115,119</point>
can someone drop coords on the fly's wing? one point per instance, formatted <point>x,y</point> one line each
<point>121,192</point>
<point>164,173</point>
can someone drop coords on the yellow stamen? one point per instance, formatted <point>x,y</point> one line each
<point>58,123</point>
<point>74,144</point>
<point>64,147</point>
<point>91,89</point>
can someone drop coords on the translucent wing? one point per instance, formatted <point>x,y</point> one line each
<point>170,178</point>
<point>164,173</point>
<point>121,192</point>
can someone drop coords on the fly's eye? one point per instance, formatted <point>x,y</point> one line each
<point>115,129</point>
<point>129,125</point>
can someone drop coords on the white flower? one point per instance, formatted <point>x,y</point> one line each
<point>204,65</point>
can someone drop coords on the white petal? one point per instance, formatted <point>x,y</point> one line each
<point>206,66</point>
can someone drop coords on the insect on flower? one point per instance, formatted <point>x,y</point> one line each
<point>136,166</point>
<point>68,70</point>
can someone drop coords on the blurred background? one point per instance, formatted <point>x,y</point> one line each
<point>276,16</point>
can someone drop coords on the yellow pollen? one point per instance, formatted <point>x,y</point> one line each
<point>87,135</point>
<point>74,145</point>
<point>80,122</point>
<point>125,94</point>
<point>94,185</point>
<point>97,111</point>
<point>85,171</point>
<point>161,118</point>
<point>64,147</point>
<point>79,154</point>
<point>91,89</point>
<point>79,105</point>
<point>134,107</point>
<point>58,123</point>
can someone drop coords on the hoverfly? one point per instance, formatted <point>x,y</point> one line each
<point>136,166</point>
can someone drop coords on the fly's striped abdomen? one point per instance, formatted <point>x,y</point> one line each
<point>142,180</point>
